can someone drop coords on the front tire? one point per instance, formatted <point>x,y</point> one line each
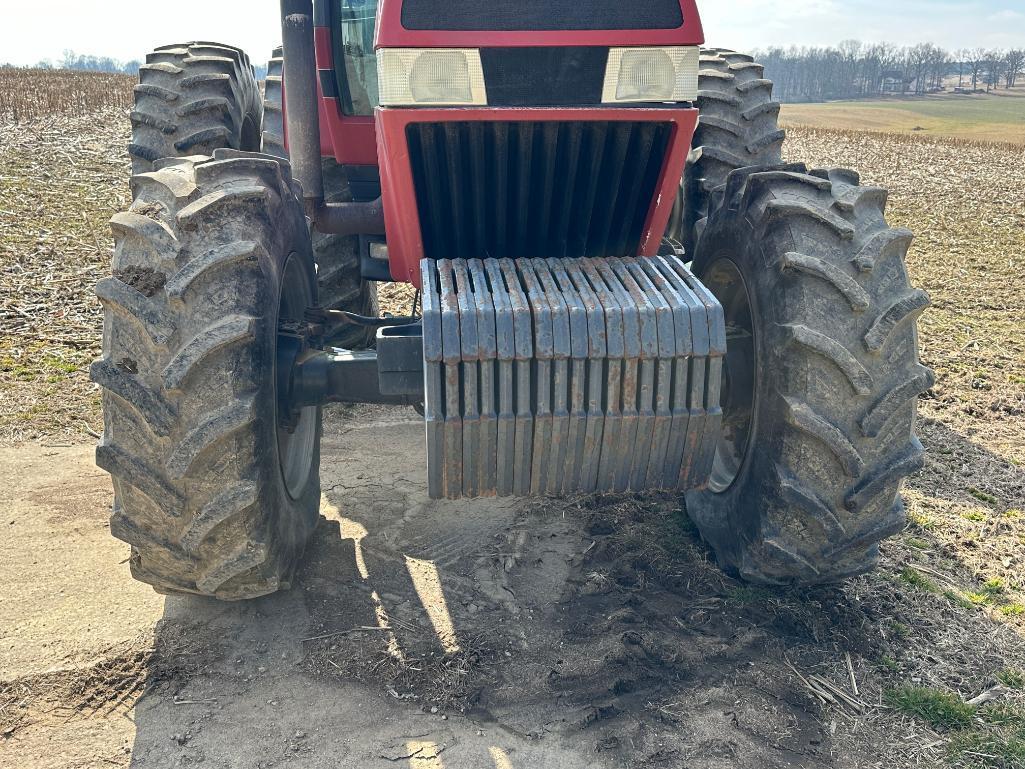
<point>821,376</point>
<point>212,256</point>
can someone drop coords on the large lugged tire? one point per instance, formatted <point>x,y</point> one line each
<point>272,132</point>
<point>193,98</point>
<point>339,275</point>
<point>213,497</point>
<point>738,126</point>
<point>821,376</point>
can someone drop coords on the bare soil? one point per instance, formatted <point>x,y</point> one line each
<point>581,632</point>
<point>563,633</point>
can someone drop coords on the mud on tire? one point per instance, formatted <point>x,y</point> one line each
<point>202,259</point>
<point>193,98</point>
<point>337,256</point>
<point>738,126</point>
<point>835,372</point>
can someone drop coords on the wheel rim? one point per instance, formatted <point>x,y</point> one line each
<point>295,444</point>
<point>739,397</point>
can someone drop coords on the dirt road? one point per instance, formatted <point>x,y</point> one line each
<point>588,633</point>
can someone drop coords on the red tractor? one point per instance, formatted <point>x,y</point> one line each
<point>589,321</point>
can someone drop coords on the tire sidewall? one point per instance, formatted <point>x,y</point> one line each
<point>730,520</point>
<point>297,515</point>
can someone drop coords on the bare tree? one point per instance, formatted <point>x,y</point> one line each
<point>961,54</point>
<point>939,67</point>
<point>919,59</point>
<point>994,63</point>
<point>976,58</point>
<point>1014,66</point>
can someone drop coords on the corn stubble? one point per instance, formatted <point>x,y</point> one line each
<point>29,94</point>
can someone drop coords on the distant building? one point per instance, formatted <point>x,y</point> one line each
<point>895,81</point>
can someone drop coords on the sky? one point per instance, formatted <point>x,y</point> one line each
<point>127,29</point>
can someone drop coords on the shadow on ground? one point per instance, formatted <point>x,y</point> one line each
<point>556,633</point>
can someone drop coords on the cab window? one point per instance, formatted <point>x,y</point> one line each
<point>357,19</point>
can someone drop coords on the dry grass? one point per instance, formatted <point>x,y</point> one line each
<point>28,94</point>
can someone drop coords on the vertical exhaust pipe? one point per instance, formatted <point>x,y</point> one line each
<point>302,110</point>
<point>302,105</point>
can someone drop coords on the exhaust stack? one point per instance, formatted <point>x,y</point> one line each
<point>302,111</point>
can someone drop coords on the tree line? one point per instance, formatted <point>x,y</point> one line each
<point>850,70</point>
<point>86,63</point>
<point>83,63</point>
<point>855,70</point>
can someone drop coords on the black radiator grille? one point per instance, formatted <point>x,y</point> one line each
<point>546,189</point>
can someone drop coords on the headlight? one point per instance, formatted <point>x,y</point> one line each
<point>433,76</point>
<point>651,75</point>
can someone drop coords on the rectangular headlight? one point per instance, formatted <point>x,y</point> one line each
<point>414,77</point>
<point>651,75</point>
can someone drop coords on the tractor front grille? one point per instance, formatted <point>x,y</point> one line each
<point>535,189</point>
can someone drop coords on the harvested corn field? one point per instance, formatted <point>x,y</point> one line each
<point>43,94</point>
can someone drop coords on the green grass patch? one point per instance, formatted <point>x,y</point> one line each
<point>982,496</point>
<point>1012,678</point>
<point>986,117</point>
<point>922,521</point>
<point>35,367</point>
<point>956,598</point>
<point>940,709</point>
<point>899,629</point>
<point>918,544</point>
<point>888,663</point>
<point>999,742</point>
<point>975,515</point>
<point>915,579</point>
<point>1003,714</point>
<point>54,363</point>
<point>993,587</point>
<point>1012,610</point>
<point>982,750</point>
<point>991,736</point>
